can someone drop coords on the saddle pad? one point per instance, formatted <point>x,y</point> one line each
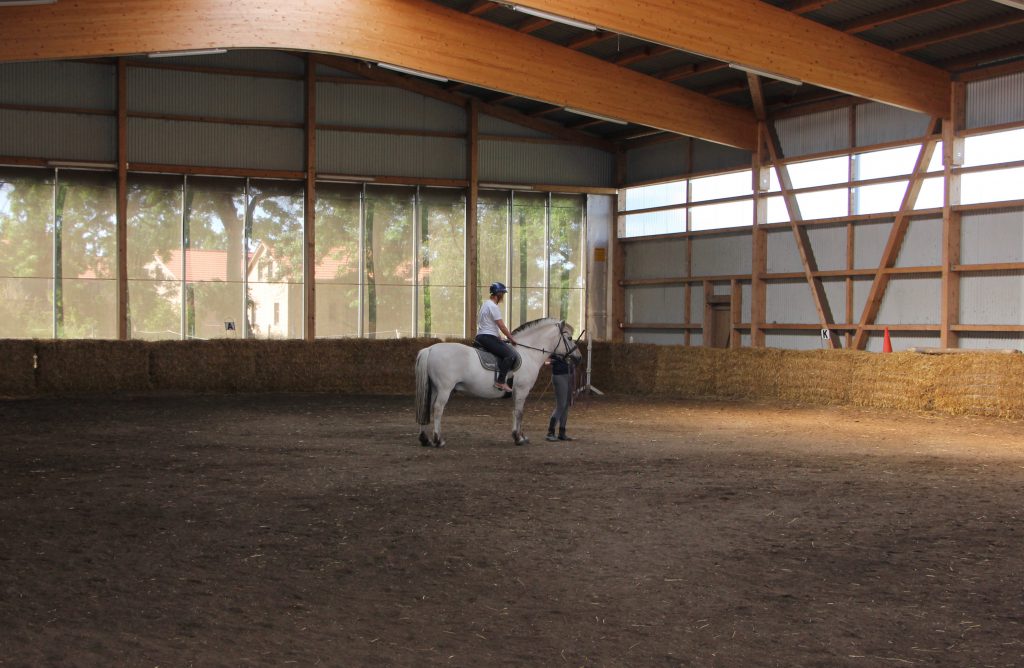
<point>490,362</point>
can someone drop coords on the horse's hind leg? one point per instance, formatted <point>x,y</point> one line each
<point>440,401</point>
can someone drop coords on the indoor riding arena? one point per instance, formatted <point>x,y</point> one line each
<point>778,245</point>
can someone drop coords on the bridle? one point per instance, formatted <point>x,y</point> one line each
<point>563,340</point>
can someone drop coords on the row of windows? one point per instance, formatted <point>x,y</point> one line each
<point>697,204</point>
<point>222,257</point>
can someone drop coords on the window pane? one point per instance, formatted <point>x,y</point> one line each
<point>995,186</point>
<point>565,257</point>
<point>86,292</point>
<point>26,254</point>
<point>890,162</point>
<point>824,204</point>
<point>935,164</point>
<point>930,196</point>
<point>528,258</point>
<point>777,211</point>
<point>337,259</point>
<point>879,198</point>
<point>726,214</point>
<point>994,148</point>
<point>388,257</point>
<point>214,247</point>
<point>275,259</point>
<point>648,197</point>
<point>656,222</point>
<point>492,215</point>
<point>720,186</point>
<point>154,256</point>
<point>442,272</point>
<point>819,172</point>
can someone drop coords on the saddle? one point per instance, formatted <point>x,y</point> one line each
<point>490,362</point>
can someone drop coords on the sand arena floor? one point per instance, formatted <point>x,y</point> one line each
<point>314,530</point>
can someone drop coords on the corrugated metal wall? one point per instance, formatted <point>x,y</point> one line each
<point>661,258</point>
<point>58,136</point>
<point>658,161</point>
<point>727,253</point>
<point>814,133</point>
<point>562,164</point>
<point>385,107</point>
<point>995,101</point>
<point>217,95</point>
<point>215,144</point>
<point>880,123</point>
<point>81,85</point>
<point>362,153</point>
<point>489,125</point>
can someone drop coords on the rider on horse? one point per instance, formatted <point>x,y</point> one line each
<point>488,330</point>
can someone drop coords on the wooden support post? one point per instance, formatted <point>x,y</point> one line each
<point>735,309</point>
<point>309,259</point>
<point>123,323</point>
<point>472,197</point>
<point>707,325</point>
<point>759,261</point>
<point>618,257</point>
<point>688,292</point>
<point>896,235</point>
<point>952,157</point>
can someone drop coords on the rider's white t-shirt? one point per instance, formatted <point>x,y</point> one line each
<point>487,320</point>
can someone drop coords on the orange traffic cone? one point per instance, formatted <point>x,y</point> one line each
<point>886,343</point>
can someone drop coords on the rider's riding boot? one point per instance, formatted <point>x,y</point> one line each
<point>551,430</point>
<point>563,437</point>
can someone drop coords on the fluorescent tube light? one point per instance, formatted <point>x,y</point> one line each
<point>1016,4</point>
<point>599,117</point>
<point>344,179</point>
<point>194,52</point>
<point>769,75</point>
<point>554,17</point>
<point>84,164</point>
<point>25,3</point>
<point>415,73</point>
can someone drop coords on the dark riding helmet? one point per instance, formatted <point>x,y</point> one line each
<point>498,289</point>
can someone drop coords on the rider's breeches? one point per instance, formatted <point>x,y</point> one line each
<point>563,390</point>
<point>506,356</point>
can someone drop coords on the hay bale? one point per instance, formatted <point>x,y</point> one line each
<point>901,381</point>
<point>981,384</point>
<point>218,365</point>
<point>682,372</point>
<point>748,373</point>
<point>816,376</point>
<point>100,367</point>
<point>626,368</point>
<point>17,367</point>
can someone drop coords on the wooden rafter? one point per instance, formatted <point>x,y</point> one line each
<point>897,233</point>
<point>878,19</point>
<point>958,32</point>
<point>807,6</point>
<point>983,57</point>
<point>783,44</point>
<point>417,34</point>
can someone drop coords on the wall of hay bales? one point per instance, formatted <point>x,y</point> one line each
<point>961,384</point>
<point>967,383</point>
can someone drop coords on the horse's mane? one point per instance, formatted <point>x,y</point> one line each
<point>533,323</point>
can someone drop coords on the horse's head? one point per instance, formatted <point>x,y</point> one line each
<point>551,336</point>
<point>567,345</point>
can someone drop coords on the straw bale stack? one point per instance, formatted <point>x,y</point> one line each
<point>900,381</point>
<point>685,372</point>
<point>816,376</point>
<point>91,366</point>
<point>981,384</point>
<point>17,368</point>
<point>748,373</point>
<point>218,365</point>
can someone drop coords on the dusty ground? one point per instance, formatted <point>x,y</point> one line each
<point>290,529</point>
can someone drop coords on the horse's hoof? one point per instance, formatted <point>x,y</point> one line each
<point>424,441</point>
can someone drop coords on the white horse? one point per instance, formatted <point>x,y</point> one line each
<point>446,367</point>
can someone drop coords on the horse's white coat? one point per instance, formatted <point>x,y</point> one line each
<point>447,367</point>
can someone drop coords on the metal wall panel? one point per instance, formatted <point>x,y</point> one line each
<point>725,254</point>
<point>489,125</point>
<point>260,60</point>
<point>374,154</point>
<point>902,341</point>
<point>696,304</point>
<point>922,247</point>
<point>745,297</point>
<point>881,123</point>
<point>795,340</point>
<point>861,289</point>
<point>562,164</point>
<point>386,107</point>
<point>789,302</point>
<point>59,84</point>
<point>215,144</point>
<point>992,299</point>
<point>216,95</point>
<point>992,236</point>
<point>783,255</point>
<point>658,161</point>
<point>696,339</point>
<point>828,242</point>
<point>911,300</point>
<point>657,336</point>
<point>995,101</point>
<point>998,341</point>
<point>869,240</point>
<point>814,133</point>
<point>654,304</point>
<point>708,157</point>
<point>58,136</point>
<point>658,258</point>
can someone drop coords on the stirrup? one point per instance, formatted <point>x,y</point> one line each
<point>503,387</point>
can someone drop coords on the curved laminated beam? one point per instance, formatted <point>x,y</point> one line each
<point>757,35</point>
<point>416,34</point>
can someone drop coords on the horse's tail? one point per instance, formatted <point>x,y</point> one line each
<point>424,390</point>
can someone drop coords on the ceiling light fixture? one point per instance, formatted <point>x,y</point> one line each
<point>415,73</point>
<point>768,75</point>
<point>1016,4</point>
<point>194,52</point>
<point>599,117</point>
<point>553,17</point>
<point>25,3</point>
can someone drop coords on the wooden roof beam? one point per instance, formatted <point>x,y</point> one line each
<point>891,16</point>
<point>782,44</point>
<point>416,34</point>
<point>957,32</point>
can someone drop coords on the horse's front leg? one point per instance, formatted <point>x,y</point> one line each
<point>517,420</point>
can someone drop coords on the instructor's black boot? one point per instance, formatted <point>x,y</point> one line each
<point>563,437</point>
<point>551,430</point>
